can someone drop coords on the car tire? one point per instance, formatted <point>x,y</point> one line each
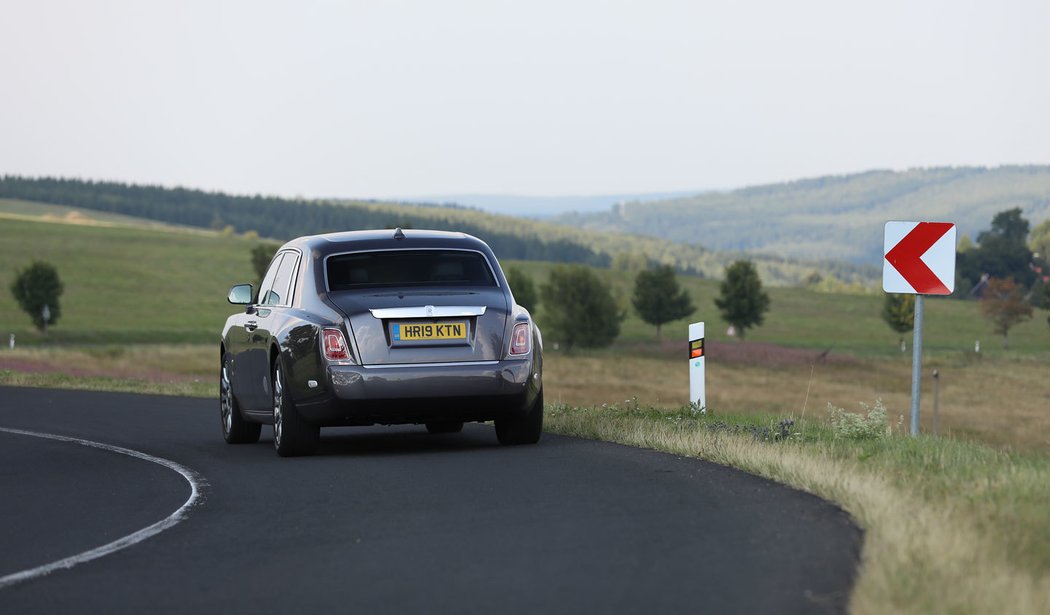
<point>292,436</point>
<point>445,427</point>
<point>235,429</point>
<point>522,429</point>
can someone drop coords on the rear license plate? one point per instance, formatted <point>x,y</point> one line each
<point>428,332</point>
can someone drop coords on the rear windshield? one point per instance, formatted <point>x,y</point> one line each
<point>408,268</point>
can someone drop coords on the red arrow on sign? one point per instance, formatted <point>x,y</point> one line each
<point>906,257</point>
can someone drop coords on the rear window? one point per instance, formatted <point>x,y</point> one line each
<point>408,268</point>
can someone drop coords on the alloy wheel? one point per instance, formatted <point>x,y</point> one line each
<point>278,400</point>
<point>227,401</point>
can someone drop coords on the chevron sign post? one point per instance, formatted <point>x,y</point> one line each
<point>919,260</point>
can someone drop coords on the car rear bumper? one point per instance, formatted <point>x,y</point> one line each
<point>480,391</point>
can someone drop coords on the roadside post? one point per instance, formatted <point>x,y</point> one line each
<point>919,259</point>
<point>936,386</point>
<point>697,391</point>
<point>46,315</point>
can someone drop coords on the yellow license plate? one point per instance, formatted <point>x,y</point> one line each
<point>427,332</point>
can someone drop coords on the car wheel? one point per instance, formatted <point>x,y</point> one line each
<point>522,429</point>
<point>235,429</point>
<point>292,436</point>
<point>445,427</point>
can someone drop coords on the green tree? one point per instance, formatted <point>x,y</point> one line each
<point>262,254</point>
<point>579,309</point>
<point>523,288</point>
<point>631,261</point>
<point>742,301</point>
<point>898,310</point>
<point>1004,304</point>
<point>1039,240</point>
<point>659,299</point>
<point>1002,251</point>
<point>35,287</point>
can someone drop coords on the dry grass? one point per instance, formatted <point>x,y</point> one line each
<point>999,401</point>
<point>944,545</point>
<point>146,362</point>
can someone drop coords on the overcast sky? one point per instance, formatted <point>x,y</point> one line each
<point>376,99</point>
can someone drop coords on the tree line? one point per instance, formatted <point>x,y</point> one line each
<point>510,237</point>
<point>276,217</point>
<point>580,310</point>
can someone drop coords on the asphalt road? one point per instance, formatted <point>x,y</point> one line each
<point>394,520</point>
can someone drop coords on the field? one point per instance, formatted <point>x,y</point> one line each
<point>954,524</point>
<point>148,302</point>
<point>123,284</point>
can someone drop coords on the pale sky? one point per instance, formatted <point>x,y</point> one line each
<point>378,99</point>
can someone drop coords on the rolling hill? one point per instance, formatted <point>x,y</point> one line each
<point>510,237</point>
<point>834,217</point>
<point>129,282</point>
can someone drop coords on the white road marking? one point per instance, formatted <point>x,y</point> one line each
<point>197,485</point>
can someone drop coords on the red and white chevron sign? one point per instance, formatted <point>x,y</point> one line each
<point>920,258</point>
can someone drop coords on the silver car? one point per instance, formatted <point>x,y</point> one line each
<point>380,327</point>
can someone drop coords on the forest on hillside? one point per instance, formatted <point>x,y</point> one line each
<point>274,217</point>
<point>834,217</point>
<point>510,237</point>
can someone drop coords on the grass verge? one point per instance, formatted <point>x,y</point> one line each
<point>186,388</point>
<point>951,526</point>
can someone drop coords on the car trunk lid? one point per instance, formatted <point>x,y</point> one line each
<point>443,325</point>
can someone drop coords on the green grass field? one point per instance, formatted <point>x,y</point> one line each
<point>124,284</point>
<point>844,323</point>
<point>128,284</point>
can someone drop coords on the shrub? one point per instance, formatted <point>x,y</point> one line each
<point>871,425</point>
<point>35,287</point>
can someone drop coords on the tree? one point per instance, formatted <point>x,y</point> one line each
<point>1002,251</point>
<point>523,288</point>
<point>579,309</point>
<point>36,287</point>
<point>898,310</point>
<point>1039,241</point>
<point>262,254</point>
<point>742,301</point>
<point>658,299</point>
<point>1005,305</point>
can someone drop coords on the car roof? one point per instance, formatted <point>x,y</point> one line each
<point>385,239</point>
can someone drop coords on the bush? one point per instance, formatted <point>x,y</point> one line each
<point>579,309</point>
<point>871,425</point>
<point>523,288</point>
<point>37,286</point>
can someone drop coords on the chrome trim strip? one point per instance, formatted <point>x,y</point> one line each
<point>417,365</point>
<point>429,311</point>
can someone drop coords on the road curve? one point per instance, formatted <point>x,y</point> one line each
<point>397,520</point>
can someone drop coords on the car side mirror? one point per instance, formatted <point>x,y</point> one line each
<point>240,294</point>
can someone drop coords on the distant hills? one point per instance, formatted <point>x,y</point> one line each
<point>834,217</point>
<point>541,207</point>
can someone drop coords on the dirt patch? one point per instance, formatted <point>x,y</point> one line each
<point>30,366</point>
<point>760,354</point>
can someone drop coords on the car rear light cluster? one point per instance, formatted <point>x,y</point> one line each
<point>335,348</point>
<point>520,339</point>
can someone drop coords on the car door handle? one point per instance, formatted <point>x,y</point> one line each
<point>251,325</point>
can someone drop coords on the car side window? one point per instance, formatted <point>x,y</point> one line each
<point>281,291</point>
<point>267,282</point>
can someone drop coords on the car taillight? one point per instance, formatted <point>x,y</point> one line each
<point>520,340</point>
<point>335,348</point>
